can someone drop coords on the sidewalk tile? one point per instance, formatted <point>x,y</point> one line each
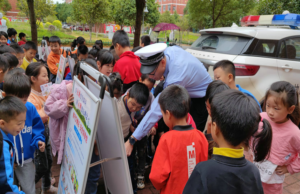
<point>294,188</point>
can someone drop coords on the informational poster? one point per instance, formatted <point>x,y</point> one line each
<point>71,64</point>
<point>79,142</point>
<point>61,70</point>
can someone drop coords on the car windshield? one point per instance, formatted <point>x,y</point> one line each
<point>221,43</point>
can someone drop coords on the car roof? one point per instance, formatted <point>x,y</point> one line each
<point>263,32</point>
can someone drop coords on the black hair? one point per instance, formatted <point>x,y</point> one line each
<point>46,38</point>
<point>83,50</point>
<point>78,41</point>
<point>237,116</point>
<point>116,81</point>
<point>116,57</point>
<point>176,100</point>
<point>54,39</point>
<point>93,52</point>
<point>140,93</point>
<point>146,40</point>
<point>34,69</point>
<point>136,49</point>
<point>30,45</point>
<point>214,88</point>
<point>4,65</point>
<point>73,44</point>
<point>227,66</point>
<point>21,35</point>
<point>12,60</point>
<point>105,57</point>
<point>6,49</point>
<point>16,83</point>
<point>10,107</point>
<point>146,76</point>
<point>112,47</point>
<point>99,43</point>
<point>288,95</point>
<point>17,48</point>
<point>121,38</point>
<point>2,33</point>
<point>11,32</point>
<point>78,71</point>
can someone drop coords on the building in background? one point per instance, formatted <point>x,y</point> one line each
<point>14,11</point>
<point>68,1</point>
<point>171,6</point>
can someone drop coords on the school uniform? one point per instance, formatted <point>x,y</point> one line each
<point>53,63</point>
<point>248,94</point>
<point>26,63</point>
<point>177,154</point>
<point>227,172</point>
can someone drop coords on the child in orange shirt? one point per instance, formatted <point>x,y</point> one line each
<point>38,75</point>
<point>54,56</point>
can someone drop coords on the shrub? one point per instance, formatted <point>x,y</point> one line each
<point>39,24</point>
<point>47,24</point>
<point>50,18</point>
<point>7,21</point>
<point>57,24</point>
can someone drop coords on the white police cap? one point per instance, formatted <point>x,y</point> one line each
<point>150,56</point>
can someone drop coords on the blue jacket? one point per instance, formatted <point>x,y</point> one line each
<point>69,76</point>
<point>249,94</point>
<point>7,167</point>
<point>32,133</point>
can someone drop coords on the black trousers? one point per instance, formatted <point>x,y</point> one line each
<point>199,112</point>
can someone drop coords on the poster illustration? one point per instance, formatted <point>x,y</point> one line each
<point>60,70</point>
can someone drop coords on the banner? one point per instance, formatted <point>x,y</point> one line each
<point>79,141</point>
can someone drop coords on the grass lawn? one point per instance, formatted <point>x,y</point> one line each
<point>68,36</point>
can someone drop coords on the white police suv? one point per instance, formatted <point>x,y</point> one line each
<point>262,52</point>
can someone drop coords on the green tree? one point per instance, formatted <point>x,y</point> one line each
<point>90,11</point>
<point>122,12</point>
<point>166,17</point>
<point>220,12</point>
<point>278,6</point>
<point>176,16</point>
<point>5,5</point>
<point>57,24</point>
<point>63,10</point>
<point>50,18</point>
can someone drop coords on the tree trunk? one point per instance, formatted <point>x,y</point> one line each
<point>91,26</point>
<point>32,21</point>
<point>140,4</point>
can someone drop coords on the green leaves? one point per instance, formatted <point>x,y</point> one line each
<point>278,6</point>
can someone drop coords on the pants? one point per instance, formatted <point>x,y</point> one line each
<point>141,147</point>
<point>25,176</point>
<point>52,78</point>
<point>131,163</point>
<point>93,176</point>
<point>43,163</point>
<point>199,112</point>
<point>272,188</point>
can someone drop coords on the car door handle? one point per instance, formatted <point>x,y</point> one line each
<point>286,68</point>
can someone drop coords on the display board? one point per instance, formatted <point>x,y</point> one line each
<point>80,136</point>
<point>46,53</point>
<point>71,64</point>
<point>61,70</point>
<point>110,143</point>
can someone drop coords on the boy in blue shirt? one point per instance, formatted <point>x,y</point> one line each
<point>12,120</point>
<point>225,71</point>
<point>16,83</point>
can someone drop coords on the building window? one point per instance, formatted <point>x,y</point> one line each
<point>164,8</point>
<point>159,9</point>
<point>174,8</point>
<point>169,7</point>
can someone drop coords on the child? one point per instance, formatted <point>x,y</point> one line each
<point>78,42</point>
<point>38,75</point>
<point>31,138</point>
<point>19,53</point>
<point>116,57</point>
<point>12,120</point>
<point>128,105</point>
<point>57,108</point>
<point>117,84</point>
<point>99,43</point>
<point>180,149</point>
<point>12,33</point>
<point>54,56</point>
<point>82,52</point>
<point>235,117</point>
<point>4,66</point>
<point>128,65</point>
<point>3,38</point>
<point>30,52</point>
<point>12,60</point>
<point>6,49</point>
<point>145,41</point>
<point>105,62</point>
<point>282,111</point>
<point>22,37</point>
<point>225,71</point>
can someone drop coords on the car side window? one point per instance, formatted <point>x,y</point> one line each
<point>211,41</point>
<point>290,49</point>
<point>266,48</point>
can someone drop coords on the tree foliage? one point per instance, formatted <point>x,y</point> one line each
<point>42,8</point>
<point>5,5</point>
<point>278,6</point>
<point>63,10</point>
<point>57,24</point>
<point>166,17</point>
<point>219,12</point>
<point>50,18</point>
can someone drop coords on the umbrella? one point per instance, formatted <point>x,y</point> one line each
<point>165,26</point>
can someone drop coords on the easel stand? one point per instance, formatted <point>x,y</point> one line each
<point>104,160</point>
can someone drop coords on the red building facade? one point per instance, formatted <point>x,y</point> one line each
<point>68,1</point>
<point>14,11</point>
<point>171,6</point>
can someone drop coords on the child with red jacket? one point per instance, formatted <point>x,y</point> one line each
<point>181,148</point>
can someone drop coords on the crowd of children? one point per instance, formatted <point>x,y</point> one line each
<point>244,148</point>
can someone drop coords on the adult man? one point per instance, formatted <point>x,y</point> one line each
<point>178,67</point>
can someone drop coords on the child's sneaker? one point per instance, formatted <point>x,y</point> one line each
<point>140,182</point>
<point>51,190</point>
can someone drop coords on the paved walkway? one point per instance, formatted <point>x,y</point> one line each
<point>291,183</point>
